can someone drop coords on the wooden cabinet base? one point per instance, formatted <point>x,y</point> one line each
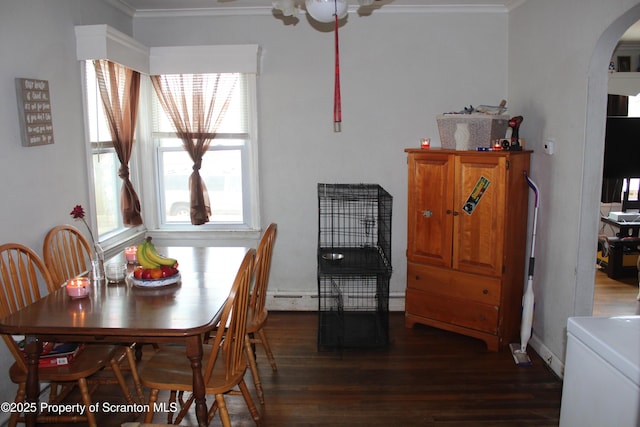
<point>490,340</point>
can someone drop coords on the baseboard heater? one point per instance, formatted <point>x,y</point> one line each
<point>308,301</point>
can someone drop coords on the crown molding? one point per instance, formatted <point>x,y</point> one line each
<point>267,10</point>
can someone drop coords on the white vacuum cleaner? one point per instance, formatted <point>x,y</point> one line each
<point>519,351</point>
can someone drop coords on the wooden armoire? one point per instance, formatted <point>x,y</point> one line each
<point>466,242</point>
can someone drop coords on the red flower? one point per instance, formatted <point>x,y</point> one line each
<point>77,212</point>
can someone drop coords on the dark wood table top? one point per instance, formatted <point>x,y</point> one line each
<point>120,309</point>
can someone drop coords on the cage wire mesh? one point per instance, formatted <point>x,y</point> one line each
<point>355,219</point>
<point>354,265</point>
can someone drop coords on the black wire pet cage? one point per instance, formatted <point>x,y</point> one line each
<point>354,265</point>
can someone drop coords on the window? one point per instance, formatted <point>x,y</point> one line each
<point>104,161</point>
<point>159,166</point>
<point>226,167</point>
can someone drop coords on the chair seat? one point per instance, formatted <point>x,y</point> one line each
<point>169,369</point>
<point>89,361</point>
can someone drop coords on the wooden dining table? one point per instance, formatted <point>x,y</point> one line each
<point>123,313</point>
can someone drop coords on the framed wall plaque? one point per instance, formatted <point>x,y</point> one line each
<point>34,111</point>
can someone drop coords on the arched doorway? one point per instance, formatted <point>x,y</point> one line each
<point>594,151</point>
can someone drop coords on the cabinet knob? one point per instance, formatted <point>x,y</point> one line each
<point>485,291</point>
<point>456,213</point>
<point>448,211</point>
<point>427,214</point>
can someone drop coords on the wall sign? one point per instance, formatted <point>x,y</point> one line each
<point>34,108</point>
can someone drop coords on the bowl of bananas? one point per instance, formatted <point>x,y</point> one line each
<point>155,269</point>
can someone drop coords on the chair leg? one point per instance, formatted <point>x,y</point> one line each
<point>134,373</point>
<point>247,398</point>
<point>254,368</point>
<point>222,408</point>
<point>86,399</point>
<point>115,367</point>
<point>153,398</point>
<point>172,399</point>
<point>184,406</point>
<point>20,395</point>
<point>267,348</point>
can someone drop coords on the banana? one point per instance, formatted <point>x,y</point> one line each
<point>153,256</point>
<point>142,254</point>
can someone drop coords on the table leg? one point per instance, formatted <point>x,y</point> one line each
<point>194,353</point>
<point>33,348</point>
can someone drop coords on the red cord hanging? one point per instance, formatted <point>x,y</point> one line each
<point>337,104</point>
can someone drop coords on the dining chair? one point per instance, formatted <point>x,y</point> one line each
<point>258,312</point>
<point>67,254</point>
<point>21,271</point>
<point>224,360</point>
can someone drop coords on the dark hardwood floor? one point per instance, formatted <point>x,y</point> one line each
<point>426,377</point>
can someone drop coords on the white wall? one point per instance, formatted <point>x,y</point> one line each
<point>558,59</point>
<point>398,72</point>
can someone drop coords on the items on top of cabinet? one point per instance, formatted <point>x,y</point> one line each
<point>485,128</point>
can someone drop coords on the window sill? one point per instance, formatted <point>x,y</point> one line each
<point>199,238</point>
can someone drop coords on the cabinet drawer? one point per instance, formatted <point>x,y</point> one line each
<point>446,282</point>
<point>454,311</point>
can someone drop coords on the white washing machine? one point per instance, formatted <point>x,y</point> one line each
<point>602,372</point>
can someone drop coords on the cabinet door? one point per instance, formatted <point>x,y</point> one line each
<point>429,208</point>
<point>479,206</point>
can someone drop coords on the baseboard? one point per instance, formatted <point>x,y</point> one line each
<point>308,301</point>
<point>552,360</point>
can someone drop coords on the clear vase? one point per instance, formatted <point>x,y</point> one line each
<point>97,262</point>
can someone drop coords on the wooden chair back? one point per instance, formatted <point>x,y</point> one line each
<point>21,269</point>
<point>261,281</point>
<point>234,315</point>
<point>66,252</point>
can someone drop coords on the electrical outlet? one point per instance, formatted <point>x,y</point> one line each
<point>549,146</point>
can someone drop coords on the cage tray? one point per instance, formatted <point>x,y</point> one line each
<point>353,260</point>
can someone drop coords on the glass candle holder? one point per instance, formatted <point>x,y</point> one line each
<point>78,287</point>
<point>116,272</point>
<point>425,143</point>
<point>131,254</point>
